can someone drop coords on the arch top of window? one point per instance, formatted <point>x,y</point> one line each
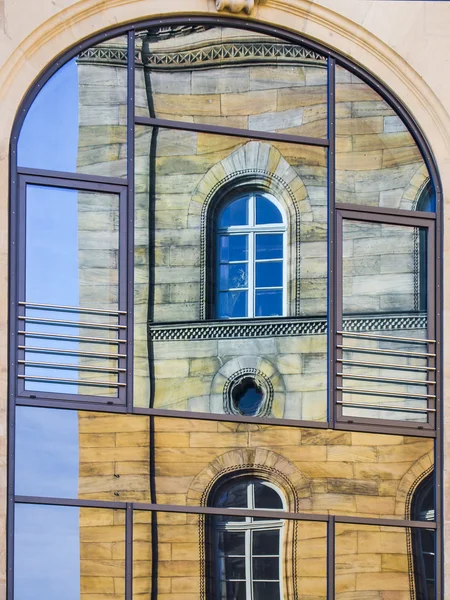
<point>251,210</point>
<point>249,492</point>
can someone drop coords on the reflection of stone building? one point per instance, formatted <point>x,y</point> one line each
<point>318,471</point>
<point>187,359</point>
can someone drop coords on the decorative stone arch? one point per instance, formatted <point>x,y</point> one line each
<point>268,465</point>
<point>255,461</point>
<point>259,366</point>
<point>254,165</point>
<point>409,482</point>
<point>414,189</point>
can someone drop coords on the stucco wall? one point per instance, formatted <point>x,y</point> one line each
<point>405,44</point>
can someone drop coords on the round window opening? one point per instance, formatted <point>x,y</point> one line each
<point>247,396</point>
<point>248,392</point>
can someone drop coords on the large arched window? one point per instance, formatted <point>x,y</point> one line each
<point>247,551</point>
<point>251,270</point>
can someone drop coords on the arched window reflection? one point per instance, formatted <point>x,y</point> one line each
<point>424,540</point>
<point>247,551</point>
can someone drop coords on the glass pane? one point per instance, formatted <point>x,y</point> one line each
<point>267,497</point>
<point>268,303</point>
<point>232,542</point>
<point>385,287</point>
<point>247,397</point>
<point>72,260</point>
<point>231,77</point>
<point>269,245</point>
<point>266,568</point>
<point>236,213</point>
<point>233,248</point>
<point>78,121</point>
<point>234,590</point>
<point>232,305</point>
<point>233,497</point>
<point>68,552</point>
<point>378,162</point>
<point>360,474</point>
<point>81,454</point>
<point>72,243</point>
<point>235,568</point>
<point>266,590</point>
<point>374,561</point>
<point>266,542</point>
<point>267,212</point>
<point>269,274</point>
<point>233,276</point>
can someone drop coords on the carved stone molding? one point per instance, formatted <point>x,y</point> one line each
<point>237,6</point>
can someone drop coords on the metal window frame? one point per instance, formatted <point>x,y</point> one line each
<point>53,180</point>
<point>426,222</point>
<point>128,185</point>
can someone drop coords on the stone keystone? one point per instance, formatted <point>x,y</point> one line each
<point>237,6</point>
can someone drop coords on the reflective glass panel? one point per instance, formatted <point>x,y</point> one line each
<point>176,556</point>
<point>378,163</point>
<point>68,552</point>
<point>233,248</point>
<point>266,211</point>
<point>373,561</point>
<point>360,474</point>
<point>177,278</point>
<point>233,305</point>
<point>269,274</point>
<point>235,213</point>
<point>269,246</point>
<point>71,318</point>
<point>231,77</point>
<point>81,454</point>
<point>78,121</point>
<point>388,371</point>
<point>268,303</point>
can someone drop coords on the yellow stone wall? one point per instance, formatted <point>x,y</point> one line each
<point>318,471</point>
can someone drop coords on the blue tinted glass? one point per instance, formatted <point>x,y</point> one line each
<point>233,276</point>
<point>269,303</point>
<point>233,247</point>
<point>49,135</point>
<point>269,245</point>
<point>269,274</point>
<point>47,452</point>
<point>47,552</point>
<point>266,211</point>
<point>235,213</point>
<point>247,397</point>
<point>232,304</point>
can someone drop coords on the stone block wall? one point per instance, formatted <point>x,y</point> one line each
<point>318,471</point>
<point>102,554</point>
<point>372,563</point>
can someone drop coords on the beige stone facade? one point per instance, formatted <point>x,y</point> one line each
<point>405,45</point>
